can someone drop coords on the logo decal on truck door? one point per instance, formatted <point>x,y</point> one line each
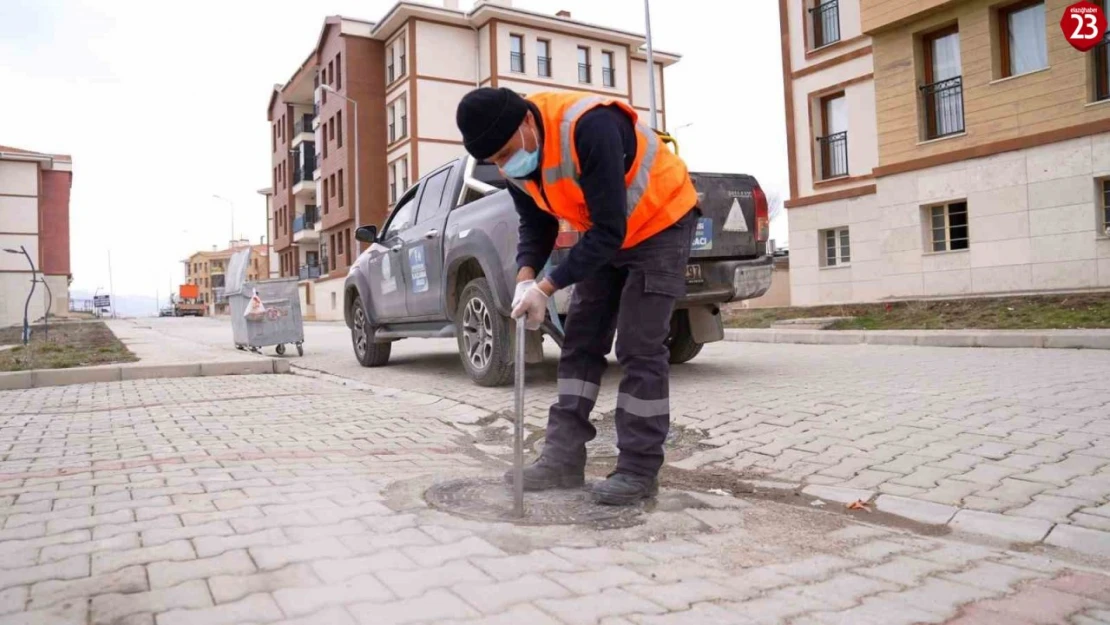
<point>419,269</point>
<point>703,235</point>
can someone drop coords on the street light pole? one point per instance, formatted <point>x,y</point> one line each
<point>651,65</point>
<point>27,304</point>
<point>358,172</point>
<point>231,241</point>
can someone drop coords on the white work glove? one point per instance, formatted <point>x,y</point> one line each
<point>531,303</point>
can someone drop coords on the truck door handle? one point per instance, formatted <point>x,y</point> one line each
<point>431,234</point>
<point>395,249</point>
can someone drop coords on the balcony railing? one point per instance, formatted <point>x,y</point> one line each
<point>305,220</point>
<point>826,23</point>
<point>308,272</point>
<point>304,124</point>
<point>1101,53</point>
<point>516,62</point>
<point>305,164</point>
<point>608,77</point>
<point>834,155</point>
<point>583,72</point>
<point>944,107</point>
<point>390,75</point>
<point>543,66</point>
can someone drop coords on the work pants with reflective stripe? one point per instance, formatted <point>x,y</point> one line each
<point>632,297</point>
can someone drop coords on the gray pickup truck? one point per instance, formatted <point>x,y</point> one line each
<point>444,265</point>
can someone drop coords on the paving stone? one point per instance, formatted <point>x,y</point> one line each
<point>499,596</point>
<point>916,510</point>
<point>904,570</point>
<point>126,581</point>
<point>436,605</point>
<point>165,574</point>
<point>297,601</point>
<point>589,609</point>
<point>227,588</point>
<point>13,599</point>
<point>108,561</point>
<point>1049,508</point>
<point>436,555</point>
<point>600,556</point>
<point>1060,473</point>
<point>336,570</point>
<point>1080,539</point>
<point>700,614</point>
<point>259,607</point>
<point>585,582</point>
<point>329,616</point>
<point>810,569</point>
<point>345,528</point>
<point>75,613</point>
<point>999,526</point>
<point>268,558</point>
<point>873,611</point>
<point>116,543</point>
<point>838,493</point>
<point>107,609</point>
<point>69,568</point>
<point>669,550</point>
<point>407,584</point>
<point>950,492</point>
<point>939,595</point>
<point>877,550</point>
<point>993,576</point>
<point>369,543</point>
<point>211,545</point>
<point>1038,605</point>
<point>115,529</point>
<point>1088,585</point>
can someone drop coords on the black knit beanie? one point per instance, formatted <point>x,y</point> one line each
<point>488,118</point>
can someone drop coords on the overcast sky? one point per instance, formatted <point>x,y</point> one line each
<point>163,105</point>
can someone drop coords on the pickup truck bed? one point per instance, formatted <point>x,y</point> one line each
<point>444,265</point>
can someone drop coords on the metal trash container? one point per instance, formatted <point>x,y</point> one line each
<point>281,322</point>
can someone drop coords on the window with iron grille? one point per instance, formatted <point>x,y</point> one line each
<point>516,53</point>
<point>608,75</point>
<point>825,16</point>
<point>390,74</point>
<point>583,64</point>
<point>834,143</point>
<point>948,226</point>
<point>543,58</point>
<point>942,96</point>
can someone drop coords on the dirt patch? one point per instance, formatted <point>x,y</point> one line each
<point>62,346</point>
<point>1048,312</point>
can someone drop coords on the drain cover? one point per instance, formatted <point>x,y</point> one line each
<point>490,499</point>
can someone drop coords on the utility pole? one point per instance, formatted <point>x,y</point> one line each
<point>651,66</point>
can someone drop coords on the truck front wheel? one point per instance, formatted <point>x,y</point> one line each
<point>368,353</point>
<point>484,336</point>
<point>681,340</point>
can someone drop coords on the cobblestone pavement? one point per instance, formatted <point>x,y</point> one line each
<point>1021,433</point>
<point>266,499</point>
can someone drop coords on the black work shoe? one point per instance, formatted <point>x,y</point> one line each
<point>545,474</point>
<point>625,489</point>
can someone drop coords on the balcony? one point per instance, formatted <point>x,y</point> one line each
<point>304,225</point>
<point>834,155</point>
<point>309,272</point>
<point>302,129</point>
<point>543,66</point>
<point>584,72</point>
<point>516,62</point>
<point>304,160</point>
<point>943,102</point>
<point>608,77</point>
<point>826,23</point>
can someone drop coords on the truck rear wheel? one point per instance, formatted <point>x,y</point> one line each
<point>681,340</point>
<point>484,337</point>
<point>368,353</point>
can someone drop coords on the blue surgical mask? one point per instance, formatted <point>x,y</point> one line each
<point>522,162</point>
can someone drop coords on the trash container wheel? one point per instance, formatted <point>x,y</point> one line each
<point>280,349</point>
<point>300,349</point>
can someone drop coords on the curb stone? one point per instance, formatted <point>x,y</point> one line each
<point>41,378</point>
<point>1003,339</point>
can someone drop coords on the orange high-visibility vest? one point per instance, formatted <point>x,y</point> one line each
<point>659,189</point>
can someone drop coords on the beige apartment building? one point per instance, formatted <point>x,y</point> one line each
<point>943,148</point>
<point>405,74</point>
<point>34,215</point>
<point>208,270</point>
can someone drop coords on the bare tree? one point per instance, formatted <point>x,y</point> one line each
<point>775,208</point>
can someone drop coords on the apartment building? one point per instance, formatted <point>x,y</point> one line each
<point>34,215</point>
<point>943,148</point>
<point>274,261</point>
<point>402,77</point>
<point>208,270</point>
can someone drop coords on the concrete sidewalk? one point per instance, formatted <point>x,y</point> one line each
<point>1050,339</point>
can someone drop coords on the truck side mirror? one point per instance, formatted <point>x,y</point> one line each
<point>367,234</point>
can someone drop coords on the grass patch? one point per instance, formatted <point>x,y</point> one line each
<point>1042,312</point>
<point>64,346</point>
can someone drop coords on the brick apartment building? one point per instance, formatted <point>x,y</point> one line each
<point>943,148</point>
<point>208,271</point>
<point>34,213</point>
<point>406,73</point>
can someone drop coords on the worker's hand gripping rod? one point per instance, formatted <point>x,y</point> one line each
<point>518,434</point>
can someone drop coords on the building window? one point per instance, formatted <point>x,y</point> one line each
<point>583,64</point>
<point>1105,188</point>
<point>324,194</point>
<point>834,144</point>
<point>516,53</point>
<point>402,56</point>
<point>392,124</point>
<point>393,184</point>
<point>948,226</point>
<point>402,103</point>
<point>825,16</point>
<point>543,58</point>
<point>332,266</point>
<point>338,72</point>
<point>331,73</point>
<point>339,129</point>
<point>331,184</point>
<point>339,245</point>
<point>389,67</point>
<point>331,130</point>
<point>943,93</point>
<point>340,185</point>
<point>608,75</point>
<point>404,174</point>
<point>838,250</point>
<point>1022,38</point>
